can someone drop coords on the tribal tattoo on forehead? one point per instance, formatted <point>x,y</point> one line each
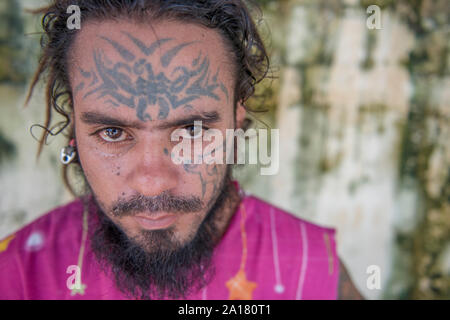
<point>133,82</point>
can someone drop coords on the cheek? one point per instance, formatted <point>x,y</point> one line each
<point>103,174</point>
<point>188,225</point>
<point>203,180</point>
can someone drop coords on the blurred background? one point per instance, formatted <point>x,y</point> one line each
<point>364,144</point>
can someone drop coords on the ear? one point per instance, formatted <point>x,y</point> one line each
<point>240,115</point>
<point>72,123</point>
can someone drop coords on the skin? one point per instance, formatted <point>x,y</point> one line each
<point>134,85</point>
<point>125,113</point>
<point>346,289</point>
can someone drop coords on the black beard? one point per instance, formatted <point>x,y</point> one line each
<point>171,269</point>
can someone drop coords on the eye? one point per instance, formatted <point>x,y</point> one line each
<point>194,131</point>
<point>113,134</point>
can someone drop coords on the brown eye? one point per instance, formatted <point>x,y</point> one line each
<point>113,135</point>
<point>194,131</point>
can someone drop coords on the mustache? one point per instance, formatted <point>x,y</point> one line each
<point>162,202</point>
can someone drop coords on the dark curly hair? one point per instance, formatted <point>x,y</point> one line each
<point>231,18</point>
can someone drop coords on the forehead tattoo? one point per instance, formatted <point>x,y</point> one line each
<point>132,81</point>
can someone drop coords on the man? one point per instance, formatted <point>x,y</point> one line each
<point>147,227</point>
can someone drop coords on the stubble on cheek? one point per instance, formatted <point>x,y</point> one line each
<point>184,231</point>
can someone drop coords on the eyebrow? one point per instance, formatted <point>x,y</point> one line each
<point>204,117</point>
<point>96,118</point>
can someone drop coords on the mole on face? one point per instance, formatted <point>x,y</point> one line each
<point>166,152</point>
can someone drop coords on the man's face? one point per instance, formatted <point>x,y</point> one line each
<point>133,85</point>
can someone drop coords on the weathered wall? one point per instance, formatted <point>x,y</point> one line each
<point>28,188</point>
<point>364,135</point>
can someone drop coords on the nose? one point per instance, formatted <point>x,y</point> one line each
<point>153,172</point>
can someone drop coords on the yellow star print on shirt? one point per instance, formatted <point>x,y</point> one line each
<point>5,242</point>
<point>240,288</point>
<point>79,290</point>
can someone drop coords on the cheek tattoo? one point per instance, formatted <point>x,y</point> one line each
<point>207,175</point>
<point>132,82</point>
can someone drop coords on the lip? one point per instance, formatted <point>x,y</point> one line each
<point>154,223</point>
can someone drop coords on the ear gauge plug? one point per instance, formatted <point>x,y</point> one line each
<point>68,153</point>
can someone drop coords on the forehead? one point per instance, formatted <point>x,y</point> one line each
<point>170,64</point>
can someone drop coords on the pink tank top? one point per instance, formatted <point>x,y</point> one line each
<point>266,253</point>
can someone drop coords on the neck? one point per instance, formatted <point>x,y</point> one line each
<point>227,210</point>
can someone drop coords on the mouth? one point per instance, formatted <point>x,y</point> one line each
<point>156,222</point>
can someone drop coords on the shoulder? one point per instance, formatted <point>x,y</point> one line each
<point>304,253</point>
<point>262,210</point>
<point>297,235</point>
<point>55,225</point>
<point>31,257</point>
